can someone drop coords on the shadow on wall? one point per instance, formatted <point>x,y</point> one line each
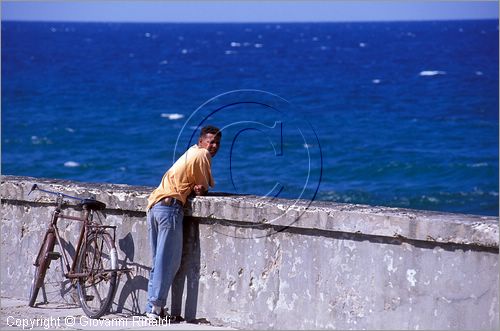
<point>129,296</point>
<point>133,295</point>
<point>189,273</point>
<point>56,287</point>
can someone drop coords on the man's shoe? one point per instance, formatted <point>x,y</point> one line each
<point>163,314</point>
<point>155,313</point>
<point>153,316</point>
<point>176,319</point>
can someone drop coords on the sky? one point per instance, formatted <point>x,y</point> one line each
<point>246,11</point>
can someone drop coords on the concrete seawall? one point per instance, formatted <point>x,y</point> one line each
<point>257,263</point>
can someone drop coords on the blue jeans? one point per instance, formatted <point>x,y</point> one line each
<point>165,237</point>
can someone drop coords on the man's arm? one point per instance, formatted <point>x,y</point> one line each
<point>202,175</point>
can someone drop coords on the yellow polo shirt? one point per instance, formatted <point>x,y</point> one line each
<point>192,168</point>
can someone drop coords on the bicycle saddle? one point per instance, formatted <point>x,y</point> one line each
<point>92,204</point>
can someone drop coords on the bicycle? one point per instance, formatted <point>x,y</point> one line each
<point>94,268</point>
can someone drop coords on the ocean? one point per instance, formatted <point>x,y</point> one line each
<point>401,114</point>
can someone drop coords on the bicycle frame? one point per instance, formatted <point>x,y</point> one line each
<point>84,232</point>
<point>94,269</point>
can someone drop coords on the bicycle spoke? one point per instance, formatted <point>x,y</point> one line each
<point>96,291</point>
<point>99,299</point>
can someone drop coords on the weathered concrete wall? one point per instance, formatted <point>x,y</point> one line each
<point>254,263</point>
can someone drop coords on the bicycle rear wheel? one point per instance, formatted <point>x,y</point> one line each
<point>99,260</point>
<point>41,266</point>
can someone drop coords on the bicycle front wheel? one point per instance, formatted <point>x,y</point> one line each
<point>41,266</point>
<point>99,261</point>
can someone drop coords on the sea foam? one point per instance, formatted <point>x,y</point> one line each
<point>174,116</point>
<point>71,164</point>
<point>432,73</point>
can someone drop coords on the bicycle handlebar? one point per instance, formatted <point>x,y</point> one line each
<point>35,187</point>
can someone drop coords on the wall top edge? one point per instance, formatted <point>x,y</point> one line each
<point>413,224</point>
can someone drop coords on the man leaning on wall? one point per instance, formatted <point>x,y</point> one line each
<point>191,173</point>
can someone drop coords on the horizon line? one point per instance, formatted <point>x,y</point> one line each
<point>252,22</point>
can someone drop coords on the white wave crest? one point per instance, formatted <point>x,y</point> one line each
<point>71,164</point>
<point>35,140</point>
<point>430,199</point>
<point>432,73</point>
<point>478,165</point>
<point>173,116</point>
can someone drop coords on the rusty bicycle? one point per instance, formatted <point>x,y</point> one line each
<point>94,267</point>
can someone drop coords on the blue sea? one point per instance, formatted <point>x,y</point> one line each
<point>401,114</point>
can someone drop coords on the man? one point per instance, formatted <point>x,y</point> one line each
<point>191,173</point>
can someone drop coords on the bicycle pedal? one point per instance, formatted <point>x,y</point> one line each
<point>53,255</point>
<point>89,297</point>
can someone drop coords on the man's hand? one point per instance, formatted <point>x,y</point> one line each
<point>199,190</point>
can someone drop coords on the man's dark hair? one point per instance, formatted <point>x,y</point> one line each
<point>210,129</point>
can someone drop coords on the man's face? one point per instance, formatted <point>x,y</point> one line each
<point>211,142</point>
